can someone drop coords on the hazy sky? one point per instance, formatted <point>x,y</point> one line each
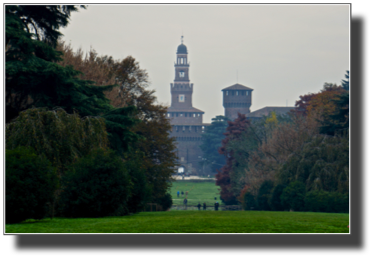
<point>281,51</point>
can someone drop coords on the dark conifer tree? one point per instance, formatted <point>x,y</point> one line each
<point>212,141</point>
<point>33,78</point>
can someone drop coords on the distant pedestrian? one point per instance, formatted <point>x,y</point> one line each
<point>185,203</point>
<point>216,205</point>
<point>178,194</point>
<point>204,206</point>
<point>182,193</point>
<point>186,193</point>
<point>215,198</point>
<point>199,206</point>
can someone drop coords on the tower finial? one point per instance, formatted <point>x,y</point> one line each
<point>182,39</point>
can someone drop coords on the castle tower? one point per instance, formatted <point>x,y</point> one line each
<point>236,99</point>
<point>181,89</point>
<point>186,121</point>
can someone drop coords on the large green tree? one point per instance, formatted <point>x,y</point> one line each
<point>60,137</point>
<point>147,119</point>
<point>44,21</point>
<point>337,122</point>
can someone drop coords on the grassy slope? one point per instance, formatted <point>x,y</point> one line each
<point>194,222</point>
<point>197,192</point>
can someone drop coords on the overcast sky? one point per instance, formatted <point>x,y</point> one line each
<point>281,51</point>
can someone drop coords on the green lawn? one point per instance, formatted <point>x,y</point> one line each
<point>194,222</point>
<point>204,191</point>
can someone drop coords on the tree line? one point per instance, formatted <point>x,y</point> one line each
<point>84,135</point>
<point>298,161</point>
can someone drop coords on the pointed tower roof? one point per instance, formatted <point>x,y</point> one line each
<point>181,49</point>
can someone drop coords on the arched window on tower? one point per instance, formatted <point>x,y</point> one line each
<point>246,93</point>
<point>227,93</point>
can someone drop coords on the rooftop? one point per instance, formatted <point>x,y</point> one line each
<point>238,87</point>
<point>186,109</point>
<point>280,110</point>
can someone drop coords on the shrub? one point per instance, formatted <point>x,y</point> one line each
<point>141,192</point>
<point>95,186</point>
<point>30,185</point>
<point>324,201</point>
<point>249,202</point>
<point>275,200</point>
<point>292,196</point>
<point>165,202</point>
<point>264,195</point>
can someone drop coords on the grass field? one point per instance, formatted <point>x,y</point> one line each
<point>204,191</point>
<point>194,222</point>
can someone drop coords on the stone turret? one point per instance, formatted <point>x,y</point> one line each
<point>236,99</point>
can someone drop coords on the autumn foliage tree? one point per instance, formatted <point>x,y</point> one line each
<point>234,131</point>
<point>147,120</point>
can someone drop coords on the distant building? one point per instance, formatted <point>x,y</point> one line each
<point>236,99</point>
<point>186,121</point>
<point>279,110</point>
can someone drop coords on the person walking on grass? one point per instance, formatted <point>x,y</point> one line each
<point>216,205</point>
<point>204,206</point>
<point>185,203</point>
<point>178,194</point>
<point>199,206</point>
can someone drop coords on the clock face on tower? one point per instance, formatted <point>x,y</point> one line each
<point>181,98</point>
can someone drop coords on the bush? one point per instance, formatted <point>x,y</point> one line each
<point>141,192</point>
<point>293,195</point>
<point>324,201</point>
<point>275,200</point>
<point>165,202</point>
<point>30,185</point>
<point>264,195</point>
<point>97,185</point>
<point>249,202</point>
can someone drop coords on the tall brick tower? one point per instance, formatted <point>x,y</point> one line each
<point>236,99</point>
<point>186,121</point>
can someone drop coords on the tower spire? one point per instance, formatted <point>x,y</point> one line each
<point>182,39</point>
